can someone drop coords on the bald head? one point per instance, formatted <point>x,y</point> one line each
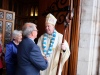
<point>28,28</point>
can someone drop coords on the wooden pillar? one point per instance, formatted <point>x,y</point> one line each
<point>5,4</point>
<point>72,69</point>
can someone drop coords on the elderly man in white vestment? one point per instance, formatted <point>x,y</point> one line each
<point>51,45</point>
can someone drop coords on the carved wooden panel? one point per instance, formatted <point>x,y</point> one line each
<point>9,16</point>
<point>1,14</point>
<point>6,25</point>
<point>8,31</point>
<point>1,24</point>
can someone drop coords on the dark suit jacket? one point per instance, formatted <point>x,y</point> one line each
<point>30,59</point>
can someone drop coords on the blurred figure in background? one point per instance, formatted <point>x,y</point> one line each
<point>1,55</point>
<point>11,52</point>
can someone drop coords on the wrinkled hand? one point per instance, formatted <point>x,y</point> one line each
<point>45,57</point>
<point>63,46</point>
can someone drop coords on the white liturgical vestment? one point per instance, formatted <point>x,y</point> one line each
<point>54,56</point>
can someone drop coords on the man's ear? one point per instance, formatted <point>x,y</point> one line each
<point>32,33</point>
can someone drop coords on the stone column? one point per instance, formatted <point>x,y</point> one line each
<point>89,38</point>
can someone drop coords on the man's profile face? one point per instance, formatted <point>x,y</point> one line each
<point>35,32</point>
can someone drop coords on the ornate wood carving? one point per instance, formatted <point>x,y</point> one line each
<point>56,8</point>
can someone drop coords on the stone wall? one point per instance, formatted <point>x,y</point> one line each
<point>89,43</point>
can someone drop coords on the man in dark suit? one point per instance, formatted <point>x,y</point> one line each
<point>30,59</point>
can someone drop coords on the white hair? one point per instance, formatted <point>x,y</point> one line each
<point>28,28</point>
<point>16,33</point>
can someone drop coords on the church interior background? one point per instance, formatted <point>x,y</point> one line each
<point>83,32</point>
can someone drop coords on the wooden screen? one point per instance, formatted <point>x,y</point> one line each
<point>7,19</point>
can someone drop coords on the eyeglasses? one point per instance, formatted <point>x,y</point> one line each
<point>35,30</point>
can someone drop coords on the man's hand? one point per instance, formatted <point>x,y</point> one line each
<point>63,46</point>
